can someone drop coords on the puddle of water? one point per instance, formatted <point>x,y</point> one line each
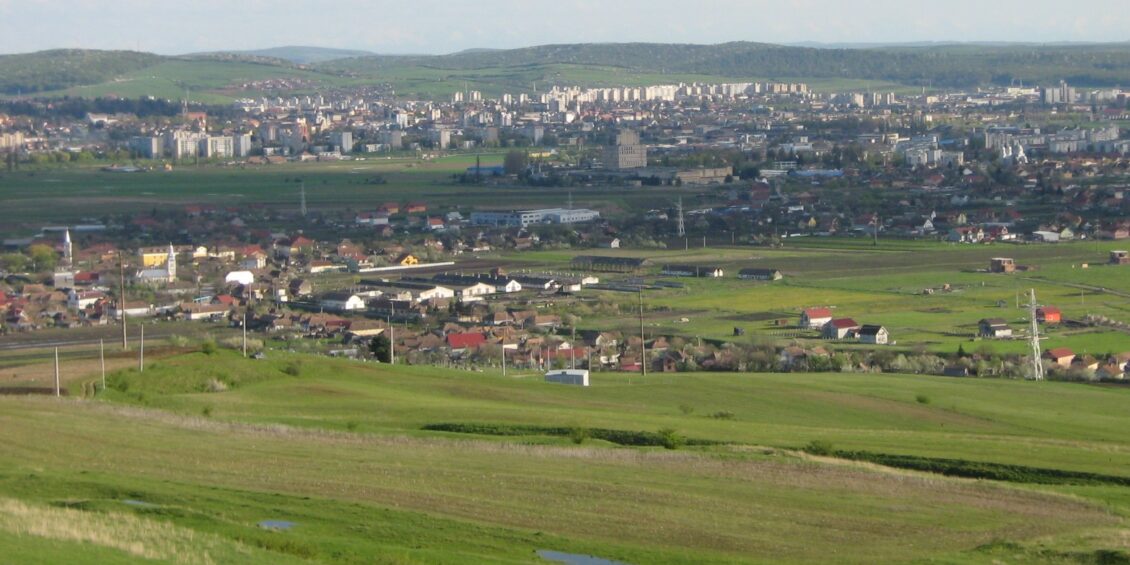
<point>575,558</point>
<point>276,525</point>
<point>139,503</point>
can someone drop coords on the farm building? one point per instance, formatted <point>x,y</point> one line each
<point>1002,265</point>
<point>760,275</point>
<point>1049,315</point>
<point>578,377</point>
<point>815,318</point>
<point>874,335</point>
<point>1119,257</point>
<point>993,327</point>
<point>839,328</point>
<point>692,271</point>
<point>609,264</point>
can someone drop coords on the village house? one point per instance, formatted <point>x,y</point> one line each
<point>342,302</point>
<point>691,271</point>
<point>760,275</point>
<point>1002,265</point>
<point>839,328</point>
<point>1049,315</point>
<point>994,328</point>
<point>874,335</point>
<point>815,318</point>
<point>1061,356</point>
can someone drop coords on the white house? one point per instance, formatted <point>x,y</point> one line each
<point>474,292</point>
<point>874,335</point>
<point>342,302</point>
<point>78,300</point>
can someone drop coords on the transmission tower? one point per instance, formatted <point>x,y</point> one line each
<point>681,228</point>
<point>1034,340</point>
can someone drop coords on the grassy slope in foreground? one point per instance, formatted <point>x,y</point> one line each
<point>390,489</point>
<point>356,497</point>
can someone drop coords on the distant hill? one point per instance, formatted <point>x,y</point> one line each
<point>955,65</point>
<point>216,76</point>
<point>304,55</point>
<point>58,69</point>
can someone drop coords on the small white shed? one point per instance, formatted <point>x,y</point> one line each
<point>578,377</point>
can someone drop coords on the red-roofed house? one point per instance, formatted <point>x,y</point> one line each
<point>1062,356</point>
<point>462,342</point>
<point>839,328</point>
<point>1049,315</point>
<point>815,318</point>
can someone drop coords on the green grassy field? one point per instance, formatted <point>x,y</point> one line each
<point>881,285</point>
<point>338,451</point>
<point>86,192</point>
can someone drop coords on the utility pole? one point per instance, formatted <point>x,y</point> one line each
<point>102,359</point>
<point>643,341</point>
<point>122,299</point>
<point>504,357</point>
<point>245,333</point>
<point>141,351</point>
<point>58,389</point>
<point>680,227</point>
<point>303,198</point>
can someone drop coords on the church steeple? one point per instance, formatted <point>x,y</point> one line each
<point>171,264</point>
<point>68,250</point>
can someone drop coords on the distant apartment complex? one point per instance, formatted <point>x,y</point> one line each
<point>523,218</point>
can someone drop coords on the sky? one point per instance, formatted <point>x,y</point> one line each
<point>445,26</point>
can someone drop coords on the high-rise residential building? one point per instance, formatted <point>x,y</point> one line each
<point>343,140</point>
<point>146,147</point>
<point>626,153</point>
<point>241,144</point>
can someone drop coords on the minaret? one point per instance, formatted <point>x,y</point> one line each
<point>171,265</point>
<point>68,250</point>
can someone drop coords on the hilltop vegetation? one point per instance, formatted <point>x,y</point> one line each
<point>103,72</point>
<point>63,68</point>
<point>954,65</point>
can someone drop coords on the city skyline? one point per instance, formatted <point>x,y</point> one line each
<point>436,27</point>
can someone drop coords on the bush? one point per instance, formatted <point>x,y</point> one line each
<point>579,435</point>
<point>922,399</point>
<point>820,447</point>
<point>671,439</point>
<point>206,411</point>
<point>686,409</point>
<point>294,368</point>
<point>208,347</point>
<point>351,425</point>
<point>722,415</point>
<point>215,385</point>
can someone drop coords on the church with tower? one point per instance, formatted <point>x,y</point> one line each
<point>65,270</point>
<point>166,274</point>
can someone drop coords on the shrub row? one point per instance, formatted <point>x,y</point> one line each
<point>984,470</point>
<point>664,438</point>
